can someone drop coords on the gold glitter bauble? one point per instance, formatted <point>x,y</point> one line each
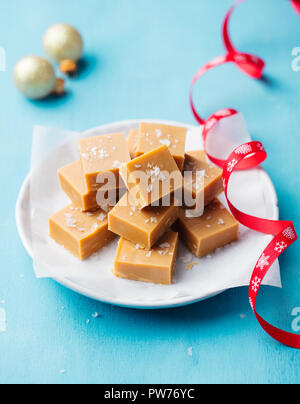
<point>34,77</point>
<point>63,42</point>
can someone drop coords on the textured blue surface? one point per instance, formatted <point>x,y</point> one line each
<point>140,58</point>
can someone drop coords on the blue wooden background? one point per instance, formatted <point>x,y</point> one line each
<point>140,56</point>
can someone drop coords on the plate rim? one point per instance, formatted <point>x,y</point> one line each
<point>180,302</point>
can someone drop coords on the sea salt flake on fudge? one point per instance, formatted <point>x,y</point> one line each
<point>157,177</point>
<point>80,233</point>
<point>72,183</point>
<point>205,186</point>
<point>152,135</point>
<point>203,239</point>
<point>132,142</point>
<point>143,227</point>
<point>155,266</point>
<point>101,155</point>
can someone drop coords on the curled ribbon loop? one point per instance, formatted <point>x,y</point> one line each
<point>251,65</point>
<point>251,155</point>
<point>219,61</point>
<point>284,233</point>
<point>209,124</point>
<point>247,156</point>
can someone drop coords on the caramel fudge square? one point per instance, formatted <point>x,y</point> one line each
<point>72,183</point>
<point>155,266</point>
<point>151,177</point>
<point>203,235</point>
<point>100,155</point>
<point>208,185</point>
<point>132,142</point>
<point>142,227</point>
<point>80,233</point>
<point>153,135</point>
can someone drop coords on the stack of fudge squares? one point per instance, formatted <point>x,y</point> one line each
<point>141,204</point>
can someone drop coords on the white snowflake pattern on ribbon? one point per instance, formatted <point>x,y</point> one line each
<point>289,233</point>
<point>260,146</point>
<point>256,284</point>
<point>280,247</point>
<point>209,124</point>
<point>244,149</point>
<point>251,303</point>
<point>224,183</point>
<point>240,58</point>
<point>263,262</point>
<point>254,59</point>
<point>231,165</point>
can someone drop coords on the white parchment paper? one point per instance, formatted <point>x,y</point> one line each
<point>227,268</point>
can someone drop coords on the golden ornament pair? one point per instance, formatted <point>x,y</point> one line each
<point>35,76</point>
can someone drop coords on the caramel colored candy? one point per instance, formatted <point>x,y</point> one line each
<point>153,135</point>
<point>71,182</point>
<point>203,235</point>
<point>208,186</point>
<point>155,266</point>
<point>132,142</point>
<point>143,227</point>
<point>151,177</point>
<point>101,155</point>
<point>81,233</point>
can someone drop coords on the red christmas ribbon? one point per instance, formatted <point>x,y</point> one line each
<point>247,156</point>
<point>296,5</point>
<point>251,65</point>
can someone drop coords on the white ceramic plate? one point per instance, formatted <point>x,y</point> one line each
<point>24,228</point>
